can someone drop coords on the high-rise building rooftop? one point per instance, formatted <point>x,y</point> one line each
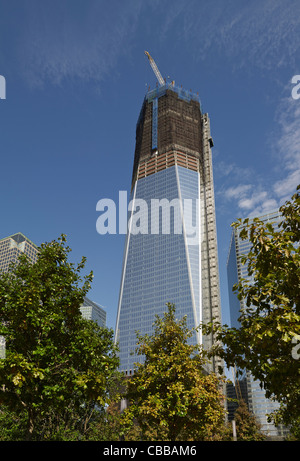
<point>12,247</point>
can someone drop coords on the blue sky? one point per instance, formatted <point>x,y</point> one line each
<point>76,76</point>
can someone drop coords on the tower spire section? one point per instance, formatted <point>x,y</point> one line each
<point>155,69</point>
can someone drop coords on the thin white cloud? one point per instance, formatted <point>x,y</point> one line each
<point>256,32</point>
<point>237,191</point>
<point>262,193</point>
<point>288,142</point>
<point>61,40</point>
<point>223,169</point>
<point>286,147</point>
<point>249,198</point>
<point>265,207</point>
<point>285,187</point>
<point>249,203</point>
<point>85,45</point>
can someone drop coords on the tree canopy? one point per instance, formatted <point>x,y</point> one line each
<point>170,395</point>
<point>267,342</point>
<point>247,428</point>
<point>56,363</point>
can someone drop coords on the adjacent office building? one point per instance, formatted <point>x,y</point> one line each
<point>258,404</point>
<point>92,311</point>
<point>12,247</point>
<point>170,253</point>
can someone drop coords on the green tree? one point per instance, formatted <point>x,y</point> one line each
<point>57,365</point>
<point>171,398</point>
<point>12,425</point>
<point>247,428</point>
<point>267,342</point>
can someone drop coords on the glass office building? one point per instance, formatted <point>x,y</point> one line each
<point>92,311</point>
<point>12,247</point>
<point>170,253</point>
<point>237,271</point>
<point>258,404</point>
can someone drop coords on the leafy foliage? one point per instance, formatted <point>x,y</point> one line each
<point>171,398</point>
<point>57,365</point>
<point>247,428</point>
<point>266,342</point>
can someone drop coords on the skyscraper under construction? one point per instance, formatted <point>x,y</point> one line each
<point>174,258</point>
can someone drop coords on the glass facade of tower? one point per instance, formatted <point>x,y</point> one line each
<point>159,268</point>
<point>170,253</point>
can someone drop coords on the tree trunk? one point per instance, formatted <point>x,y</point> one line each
<point>30,425</point>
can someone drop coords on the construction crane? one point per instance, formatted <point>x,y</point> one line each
<point>237,385</point>
<point>155,69</point>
